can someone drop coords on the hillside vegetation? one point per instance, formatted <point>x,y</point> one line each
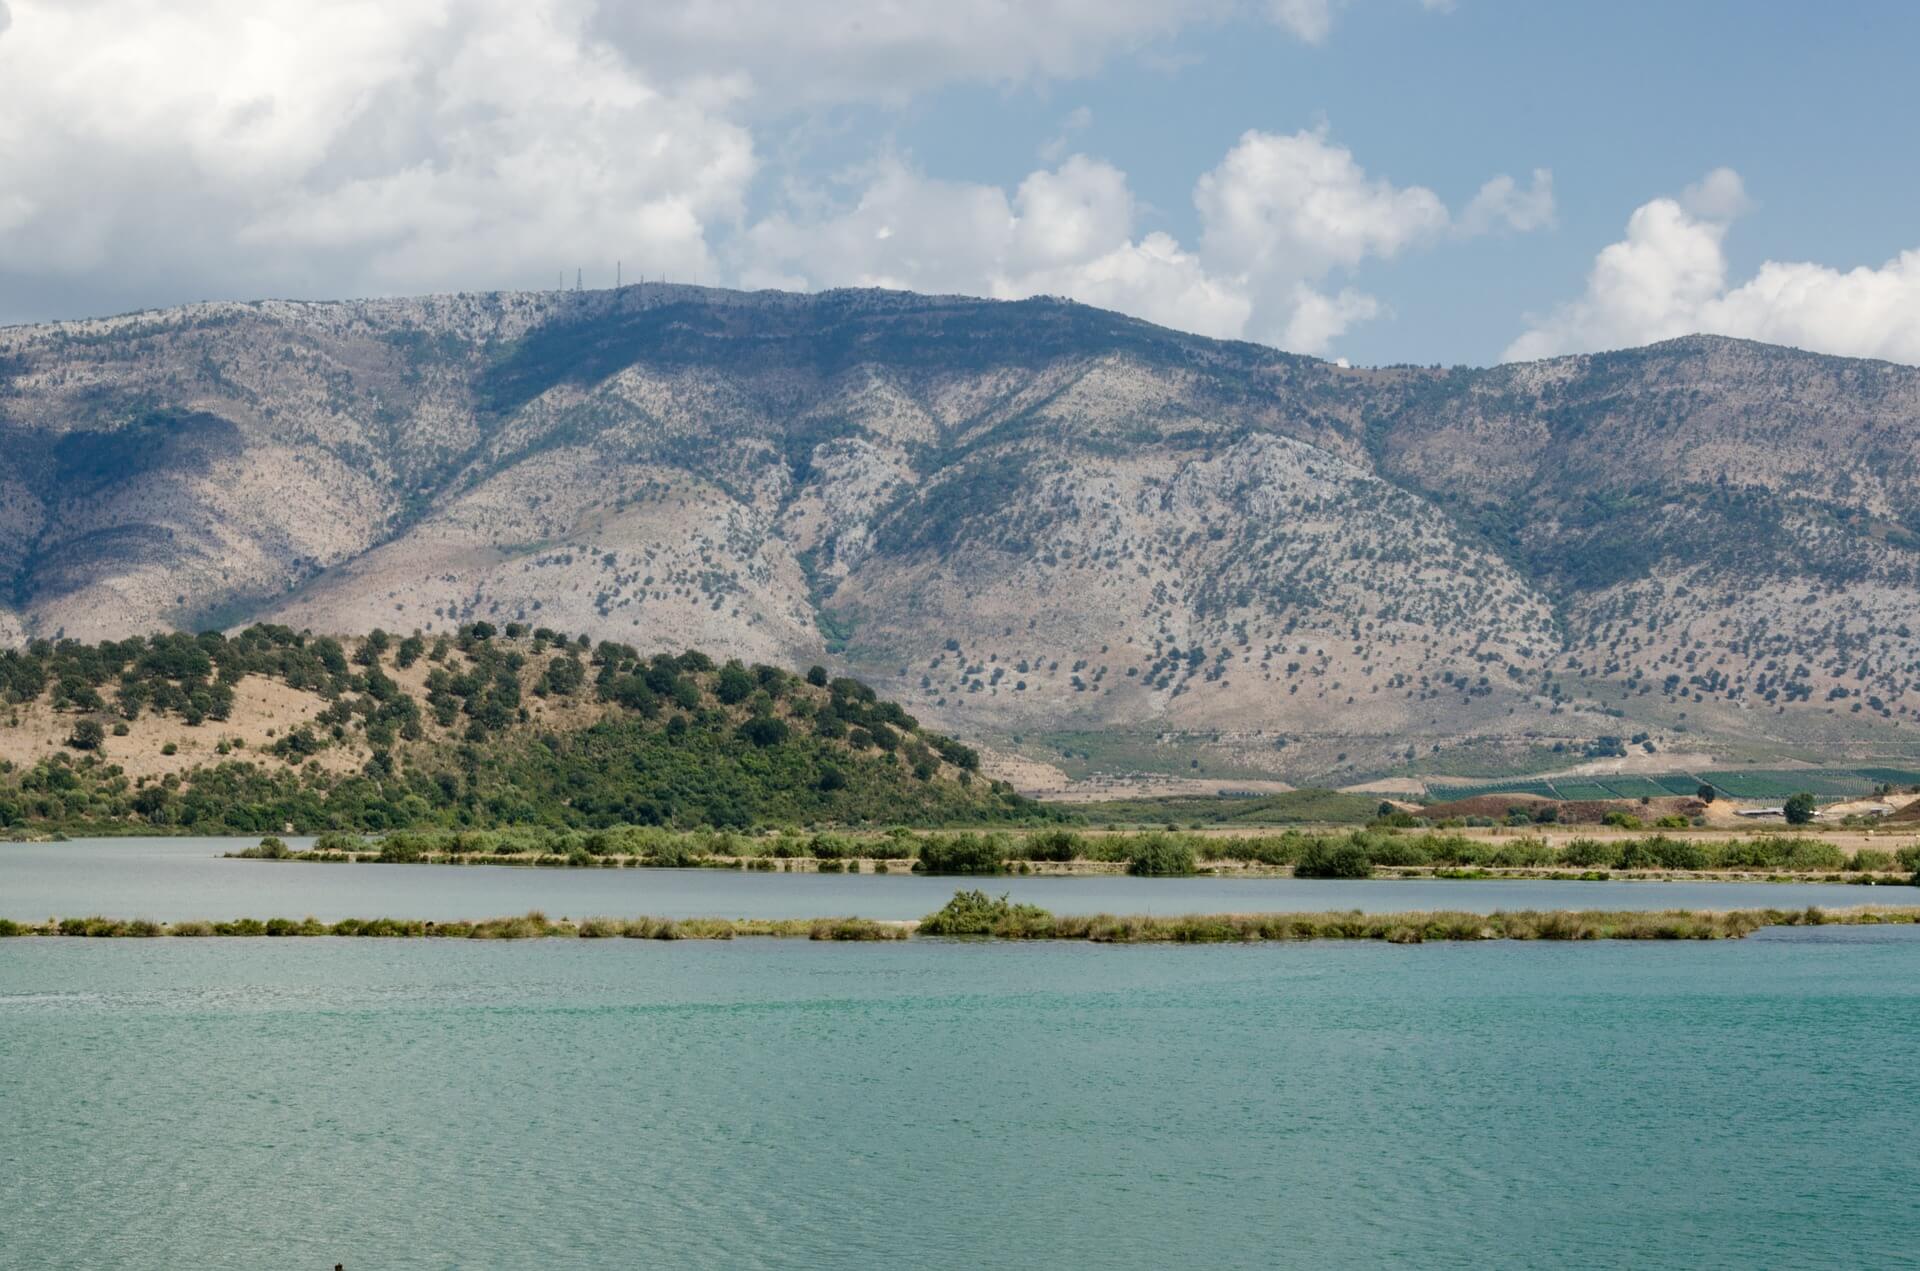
<point>1027,520</point>
<point>272,729</point>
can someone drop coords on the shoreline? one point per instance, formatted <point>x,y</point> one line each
<point>977,916</point>
<point>1102,869</point>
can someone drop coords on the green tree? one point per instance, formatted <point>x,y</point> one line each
<point>734,684</point>
<point>1799,809</point>
<point>87,735</point>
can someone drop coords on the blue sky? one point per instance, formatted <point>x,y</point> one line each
<point>1309,173</point>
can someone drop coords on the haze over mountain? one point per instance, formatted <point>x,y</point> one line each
<point>1026,520</point>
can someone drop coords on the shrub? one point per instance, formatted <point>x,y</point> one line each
<point>832,847</point>
<point>1053,845</point>
<point>1160,856</point>
<point>974,913</point>
<point>87,735</point>
<point>1871,860</point>
<point>402,849</point>
<point>1524,854</point>
<point>1659,852</point>
<point>1810,855</point>
<point>1334,860</point>
<point>270,848</point>
<point>672,852</point>
<point>764,731</point>
<point>962,854</point>
<point>1392,849</point>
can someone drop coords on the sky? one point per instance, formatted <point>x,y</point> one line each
<point>1426,181</point>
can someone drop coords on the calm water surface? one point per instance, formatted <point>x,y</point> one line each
<point>289,1103</point>
<point>170,879</point>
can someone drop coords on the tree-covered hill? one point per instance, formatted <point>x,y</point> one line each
<point>272,728</point>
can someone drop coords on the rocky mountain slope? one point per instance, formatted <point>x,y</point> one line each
<point>1046,526</point>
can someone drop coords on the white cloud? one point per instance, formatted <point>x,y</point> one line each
<point>1281,213</point>
<point>1279,216</point>
<point>250,147</point>
<point>828,51</point>
<point>1300,205</point>
<point>1066,231</point>
<point>1668,278</point>
<point>1078,120</point>
<point>1311,20</point>
<point>1318,320</point>
<point>152,153</point>
<point>1501,203</point>
<point>1719,196</point>
<point>814,52</point>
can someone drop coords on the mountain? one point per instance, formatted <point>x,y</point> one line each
<point>273,728</point>
<point>1062,531</point>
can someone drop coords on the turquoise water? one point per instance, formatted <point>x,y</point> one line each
<point>284,1103</point>
<point>170,879</point>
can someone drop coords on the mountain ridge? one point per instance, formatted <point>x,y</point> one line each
<point>1023,517</point>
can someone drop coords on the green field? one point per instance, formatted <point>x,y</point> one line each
<point>1891,776</point>
<point>1828,783</point>
<point>1642,787</point>
<point>1295,807</point>
<point>1448,793</point>
<point>1751,783</point>
<point>1583,791</point>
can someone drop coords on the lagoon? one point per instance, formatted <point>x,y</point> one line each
<point>174,879</point>
<point>245,1103</point>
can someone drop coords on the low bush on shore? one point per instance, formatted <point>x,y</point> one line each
<point>963,854</point>
<point>1334,860</point>
<point>1161,856</point>
<point>1328,854</point>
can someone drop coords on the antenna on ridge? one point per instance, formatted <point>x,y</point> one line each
<point>616,275</point>
<point>576,280</point>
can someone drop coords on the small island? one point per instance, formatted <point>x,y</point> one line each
<point>976,914</point>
